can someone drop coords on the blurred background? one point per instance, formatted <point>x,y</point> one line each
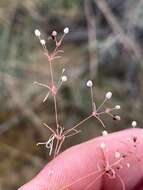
<point>105,44</point>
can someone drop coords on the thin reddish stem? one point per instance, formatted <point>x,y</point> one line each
<point>101,104</point>
<point>94,181</point>
<point>70,135</point>
<point>56,111</point>
<point>47,95</point>
<point>92,101</point>
<point>117,162</point>
<point>100,121</point>
<point>55,51</point>
<point>60,145</point>
<point>51,72</point>
<point>49,128</point>
<point>43,85</point>
<point>80,123</point>
<point>58,44</point>
<point>122,182</point>
<point>105,158</point>
<point>55,101</point>
<point>56,148</point>
<point>82,178</point>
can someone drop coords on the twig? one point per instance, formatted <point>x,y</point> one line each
<point>91,28</point>
<point>126,40</point>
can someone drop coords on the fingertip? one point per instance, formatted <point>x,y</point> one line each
<point>80,160</point>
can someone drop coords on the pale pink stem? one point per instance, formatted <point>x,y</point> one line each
<point>55,51</point>
<point>56,111</point>
<point>117,162</point>
<point>60,145</point>
<point>102,104</point>
<point>110,114</point>
<point>112,109</point>
<point>80,179</point>
<point>101,113</point>
<point>129,151</point>
<point>122,182</point>
<point>105,157</point>
<point>73,134</point>
<point>62,38</point>
<point>49,128</point>
<point>55,102</point>
<point>57,144</point>
<point>100,121</point>
<point>47,95</point>
<point>51,71</point>
<point>57,45</point>
<point>92,101</point>
<point>80,123</point>
<point>55,39</point>
<point>43,85</point>
<point>95,180</point>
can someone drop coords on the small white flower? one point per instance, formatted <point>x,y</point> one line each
<point>104,133</point>
<point>63,70</point>
<point>128,165</point>
<point>117,117</point>
<point>37,33</point>
<point>54,33</point>
<point>117,107</point>
<point>108,95</point>
<point>89,83</point>
<point>102,145</point>
<point>117,154</point>
<point>66,30</point>
<point>128,139</point>
<point>134,123</point>
<point>64,78</point>
<point>43,42</point>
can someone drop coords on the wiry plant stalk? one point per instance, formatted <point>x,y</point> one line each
<point>59,135</point>
<point>105,168</point>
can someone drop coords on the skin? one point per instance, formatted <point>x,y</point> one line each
<point>73,165</point>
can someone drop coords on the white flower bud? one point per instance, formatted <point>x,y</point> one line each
<point>117,154</point>
<point>63,70</point>
<point>37,33</point>
<point>134,123</point>
<point>104,133</point>
<point>102,145</point>
<point>66,30</point>
<point>54,33</point>
<point>64,78</point>
<point>43,42</point>
<point>108,95</point>
<point>117,107</point>
<point>117,117</point>
<point>128,165</point>
<point>89,83</point>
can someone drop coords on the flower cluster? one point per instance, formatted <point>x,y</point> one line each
<point>58,136</point>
